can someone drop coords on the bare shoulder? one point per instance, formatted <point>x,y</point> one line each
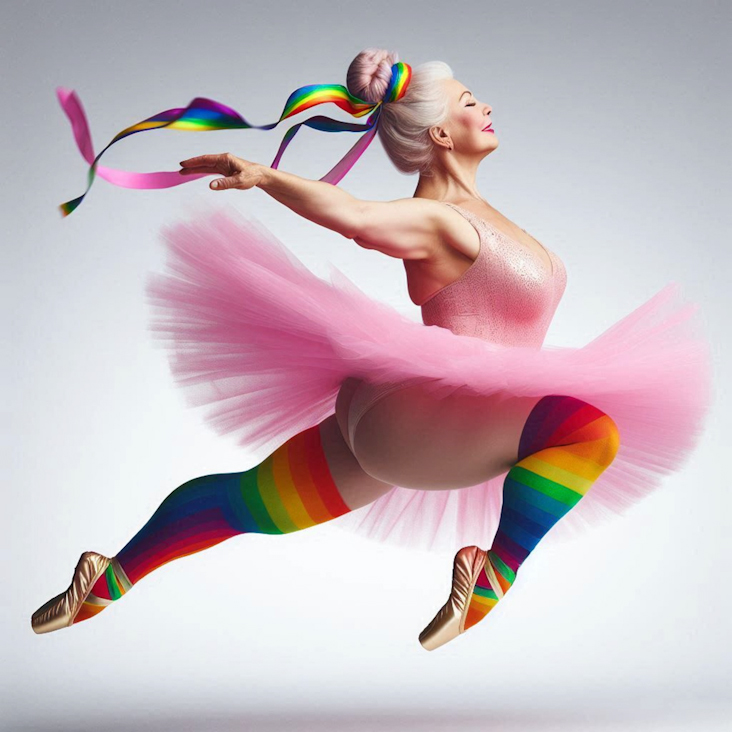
<point>414,228</point>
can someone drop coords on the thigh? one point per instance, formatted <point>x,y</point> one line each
<point>356,487</point>
<point>413,439</point>
<point>343,404</point>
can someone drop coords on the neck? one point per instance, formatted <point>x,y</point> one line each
<point>452,179</point>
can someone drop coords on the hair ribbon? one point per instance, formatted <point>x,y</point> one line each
<point>204,115</point>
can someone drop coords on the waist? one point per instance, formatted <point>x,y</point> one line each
<point>496,331</point>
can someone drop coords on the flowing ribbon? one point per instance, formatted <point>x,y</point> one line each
<point>202,115</point>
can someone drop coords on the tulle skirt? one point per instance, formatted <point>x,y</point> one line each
<point>264,344</point>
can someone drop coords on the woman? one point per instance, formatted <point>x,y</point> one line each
<point>374,406</point>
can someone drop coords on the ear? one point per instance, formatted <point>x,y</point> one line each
<point>440,136</point>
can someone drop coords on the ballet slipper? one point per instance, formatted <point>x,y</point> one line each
<point>60,611</point>
<point>449,622</point>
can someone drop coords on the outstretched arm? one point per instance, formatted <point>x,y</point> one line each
<point>409,228</point>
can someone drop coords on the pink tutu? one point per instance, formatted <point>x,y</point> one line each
<point>266,344</point>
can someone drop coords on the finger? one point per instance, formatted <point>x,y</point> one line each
<point>199,171</point>
<point>222,184</point>
<point>210,161</point>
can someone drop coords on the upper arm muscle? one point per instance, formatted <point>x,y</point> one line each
<point>408,228</point>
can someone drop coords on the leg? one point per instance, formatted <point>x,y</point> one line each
<point>413,439</point>
<point>310,479</point>
<point>565,446</point>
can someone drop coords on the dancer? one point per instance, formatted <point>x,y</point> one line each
<point>366,409</point>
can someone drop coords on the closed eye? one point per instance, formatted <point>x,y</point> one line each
<point>472,104</point>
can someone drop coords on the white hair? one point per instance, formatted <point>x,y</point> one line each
<point>404,125</point>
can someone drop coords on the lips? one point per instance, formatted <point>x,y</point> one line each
<point>489,127</point>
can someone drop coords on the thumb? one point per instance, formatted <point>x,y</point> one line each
<point>221,184</point>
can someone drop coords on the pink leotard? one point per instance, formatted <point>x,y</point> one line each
<point>508,295</point>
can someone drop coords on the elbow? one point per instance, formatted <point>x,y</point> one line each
<point>353,224</point>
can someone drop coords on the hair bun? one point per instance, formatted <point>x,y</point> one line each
<point>369,74</point>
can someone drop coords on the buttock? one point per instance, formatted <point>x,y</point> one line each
<point>363,395</point>
<point>435,436</point>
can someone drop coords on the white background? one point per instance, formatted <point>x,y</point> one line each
<point>613,123</point>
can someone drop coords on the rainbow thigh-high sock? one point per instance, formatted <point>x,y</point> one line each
<point>565,445</point>
<point>292,489</point>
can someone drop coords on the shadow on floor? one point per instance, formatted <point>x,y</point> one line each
<point>708,718</point>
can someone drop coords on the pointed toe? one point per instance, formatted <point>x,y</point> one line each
<point>450,619</point>
<point>60,611</point>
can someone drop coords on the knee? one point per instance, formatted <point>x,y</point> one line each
<point>612,437</point>
<point>602,431</point>
<point>560,419</point>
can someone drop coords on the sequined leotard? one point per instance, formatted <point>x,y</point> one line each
<point>508,295</point>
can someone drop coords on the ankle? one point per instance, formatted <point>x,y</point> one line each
<point>113,583</point>
<point>503,568</point>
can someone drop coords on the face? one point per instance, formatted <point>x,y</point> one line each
<point>465,130</point>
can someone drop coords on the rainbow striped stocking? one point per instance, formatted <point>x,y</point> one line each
<point>565,445</point>
<point>292,489</point>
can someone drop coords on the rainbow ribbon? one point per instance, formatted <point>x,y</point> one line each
<point>203,115</point>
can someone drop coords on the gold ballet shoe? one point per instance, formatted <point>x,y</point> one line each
<point>60,611</point>
<point>449,622</point>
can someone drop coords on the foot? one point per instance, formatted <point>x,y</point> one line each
<point>476,589</point>
<point>64,609</point>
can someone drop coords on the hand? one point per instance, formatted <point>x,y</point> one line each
<point>237,173</point>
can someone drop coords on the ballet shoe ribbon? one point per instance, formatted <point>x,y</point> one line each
<point>490,572</point>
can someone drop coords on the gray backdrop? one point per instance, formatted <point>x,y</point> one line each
<point>614,151</point>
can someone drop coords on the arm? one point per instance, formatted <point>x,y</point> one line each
<point>319,202</point>
<point>409,228</point>
<point>406,228</point>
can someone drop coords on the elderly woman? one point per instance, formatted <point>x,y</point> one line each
<point>368,408</point>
